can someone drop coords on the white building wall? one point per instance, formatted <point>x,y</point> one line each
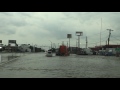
<point>24,48</point>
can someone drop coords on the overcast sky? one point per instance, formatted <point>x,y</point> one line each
<point>40,27</point>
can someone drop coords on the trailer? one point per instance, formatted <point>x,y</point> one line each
<point>84,51</point>
<point>62,51</point>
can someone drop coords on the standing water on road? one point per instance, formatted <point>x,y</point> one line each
<point>37,65</point>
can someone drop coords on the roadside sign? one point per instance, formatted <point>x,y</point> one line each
<point>12,41</point>
<point>117,49</point>
<point>69,35</point>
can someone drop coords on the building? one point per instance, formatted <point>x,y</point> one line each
<point>24,48</point>
<point>105,49</point>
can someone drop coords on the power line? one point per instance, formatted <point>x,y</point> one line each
<point>114,41</point>
<point>115,38</point>
<point>95,34</point>
<point>97,42</point>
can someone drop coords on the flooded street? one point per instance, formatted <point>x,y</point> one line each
<point>37,65</point>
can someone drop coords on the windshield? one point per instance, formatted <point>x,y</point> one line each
<point>59,44</point>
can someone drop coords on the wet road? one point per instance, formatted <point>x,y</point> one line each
<point>73,66</point>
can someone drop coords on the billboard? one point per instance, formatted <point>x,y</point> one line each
<point>12,41</point>
<point>0,41</point>
<point>69,35</point>
<point>79,33</point>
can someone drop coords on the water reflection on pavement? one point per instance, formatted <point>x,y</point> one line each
<point>37,65</point>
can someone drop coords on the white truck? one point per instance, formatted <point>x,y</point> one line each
<point>87,51</point>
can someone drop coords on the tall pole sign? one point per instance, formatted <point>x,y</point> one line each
<point>79,34</point>
<point>69,36</point>
<point>12,41</point>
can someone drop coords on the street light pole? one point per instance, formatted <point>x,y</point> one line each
<point>51,44</point>
<point>86,42</point>
<point>78,41</point>
<point>54,45</point>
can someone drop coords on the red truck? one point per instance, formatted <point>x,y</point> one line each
<point>63,51</point>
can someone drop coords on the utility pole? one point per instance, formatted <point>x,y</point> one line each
<point>106,44</point>
<point>78,41</point>
<point>100,31</point>
<point>109,35</point>
<point>86,42</point>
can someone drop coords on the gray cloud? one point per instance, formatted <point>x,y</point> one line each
<point>36,26</point>
<point>7,31</point>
